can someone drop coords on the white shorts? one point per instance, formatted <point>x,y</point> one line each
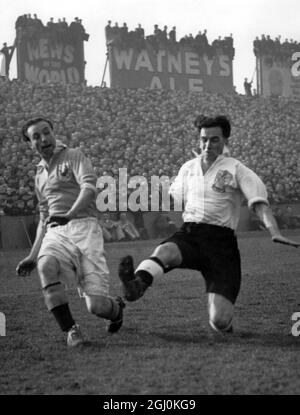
<point>78,247</point>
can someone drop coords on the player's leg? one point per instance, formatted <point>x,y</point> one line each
<point>102,306</point>
<point>221,269</point>
<point>95,288</point>
<point>55,298</point>
<point>95,275</point>
<point>220,311</point>
<point>108,308</point>
<point>165,257</point>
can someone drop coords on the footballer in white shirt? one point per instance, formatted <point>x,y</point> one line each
<point>212,187</point>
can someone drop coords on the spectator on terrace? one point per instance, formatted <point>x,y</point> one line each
<point>112,228</point>
<point>247,87</point>
<point>7,52</point>
<point>172,34</point>
<point>128,227</point>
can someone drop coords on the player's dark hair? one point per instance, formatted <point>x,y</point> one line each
<point>31,122</point>
<point>208,122</point>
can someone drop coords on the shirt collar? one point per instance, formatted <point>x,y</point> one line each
<point>219,158</point>
<point>58,148</point>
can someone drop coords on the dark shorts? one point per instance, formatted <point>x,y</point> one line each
<point>213,251</point>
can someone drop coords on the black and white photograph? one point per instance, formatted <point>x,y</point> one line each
<point>149,201</point>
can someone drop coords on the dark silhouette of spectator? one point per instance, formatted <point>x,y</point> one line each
<point>247,87</point>
<point>75,28</point>
<point>8,53</point>
<point>21,21</point>
<point>124,35</point>
<point>61,30</point>
<point>217,46</point>
<point>37,23</point>
<point>64,23</point>
<point>115,34</point>
<point>138,37</point>
<point>153,42</point>
<point>156,31</point>
<point>201,43</point>
<point>29,20</point>
<point>140,32</point>
<point>228,48</point>
<point>204,38</point>
<point>124,30</point>
<point>51,25</point>
<point>82,33</point>
<point>172,34</point>
<point>256,47</point>
<point>116,30</point>
<point>164,36</point>
<point>108,31</point>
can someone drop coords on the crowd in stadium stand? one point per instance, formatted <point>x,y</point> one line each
<point>31,28</point>
<point>275,49</point>
<point>150,132</point>
<point>166,39</point>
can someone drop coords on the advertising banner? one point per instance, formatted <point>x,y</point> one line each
<point>278,79</point>
<point>46,59</point>
<point>180,70</point>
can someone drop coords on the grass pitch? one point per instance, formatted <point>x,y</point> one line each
<point>165,345</point>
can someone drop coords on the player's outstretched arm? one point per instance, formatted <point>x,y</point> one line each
<point>265,214</point>
<point>28,264</point>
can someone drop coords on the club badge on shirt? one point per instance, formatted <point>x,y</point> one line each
<point>64,171</point>
<point>222,180</point>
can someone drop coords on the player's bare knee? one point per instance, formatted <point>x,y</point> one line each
<point>220,322</point>
<point>220,312</point>
<point>90,305</point>
<point>169,254</point>
<point>47,265</point>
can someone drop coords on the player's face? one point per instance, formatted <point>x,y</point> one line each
<point>42,139</point>
<point>211,143</point>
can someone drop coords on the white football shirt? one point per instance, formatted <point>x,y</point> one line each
<point>216,196</point>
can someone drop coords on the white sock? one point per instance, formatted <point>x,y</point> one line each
<point>152,267</point>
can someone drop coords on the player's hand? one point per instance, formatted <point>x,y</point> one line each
<point>60,220</point>
<point>286,241</point>
<point>25,267</point>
